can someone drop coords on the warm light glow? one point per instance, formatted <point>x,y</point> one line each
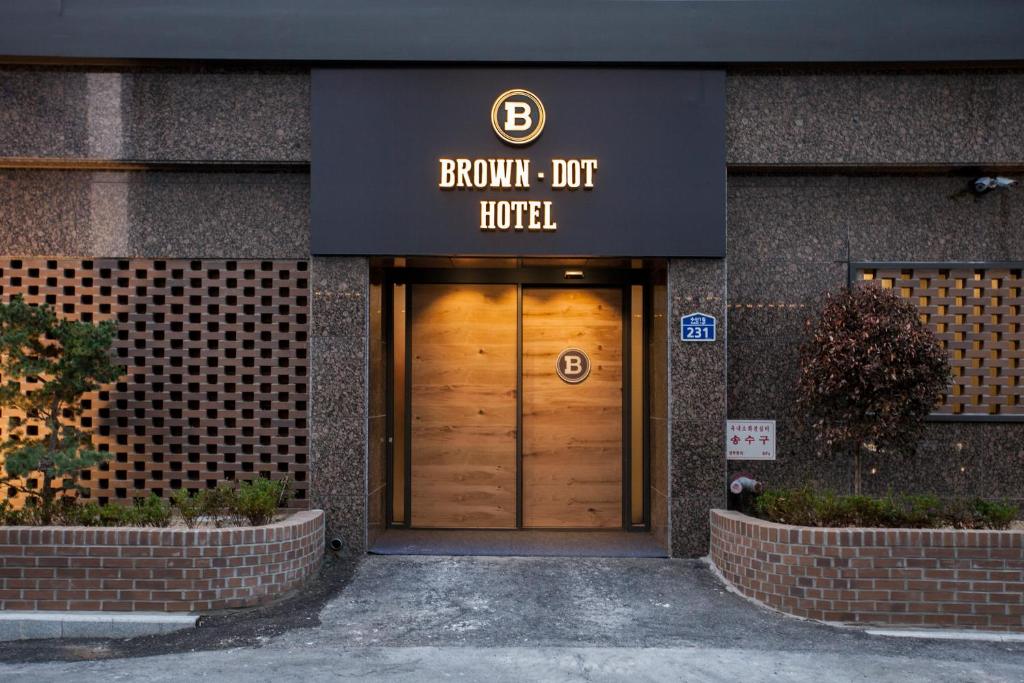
<point>574,275</point>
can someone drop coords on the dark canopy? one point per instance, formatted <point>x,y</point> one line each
<point>608,31</point>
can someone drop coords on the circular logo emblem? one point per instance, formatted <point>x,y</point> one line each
<point>517,116</point>
<point>573,365</point>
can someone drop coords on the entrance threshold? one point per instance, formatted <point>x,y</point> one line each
<point>517,543</point>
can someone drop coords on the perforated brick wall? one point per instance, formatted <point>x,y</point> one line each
<point>217,368</point>
<point>909,577</point>
<point>978,316</point>
<point>164,570</point>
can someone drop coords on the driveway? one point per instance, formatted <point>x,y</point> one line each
<point>512,619</point>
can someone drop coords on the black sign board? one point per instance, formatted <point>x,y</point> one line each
<point>527,161</point>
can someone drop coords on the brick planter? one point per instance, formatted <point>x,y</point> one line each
<point>906,577</point>
<point>169,570</point>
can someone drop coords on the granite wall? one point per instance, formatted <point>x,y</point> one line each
<point>154,214</point>
<point>791,238</point>
<point>774,116</point>
<point>339,396</point>
<point>697,405</point>
<point>198,114</point>
<point>874,117</point>
<point>212,162</point>
<point>885,158</point>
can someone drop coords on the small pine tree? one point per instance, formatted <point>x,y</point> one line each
<point>870,373</point>
<point>47,364</point>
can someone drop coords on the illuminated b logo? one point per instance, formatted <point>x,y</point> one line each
<point>573,365</point>
<point>517,116</point>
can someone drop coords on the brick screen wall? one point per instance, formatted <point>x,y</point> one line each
<point>906,577</point>
<point>169,570</point>
<point>977,313</point>
<point>217,368</point>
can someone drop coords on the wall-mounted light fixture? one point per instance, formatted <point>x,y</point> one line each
<point>574,275</point>
<point>987,184</point>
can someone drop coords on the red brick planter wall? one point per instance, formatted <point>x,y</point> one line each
<point>906,577</point>
<point>171,570</point>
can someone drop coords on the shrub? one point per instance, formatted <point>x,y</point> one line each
<point>219,505</point>
<point>795,506</point>
<point>111,515</point>
<point>149,511</point>
<point>190,507</point>
<point>994,514</point>
<point>72,513</point>
<point>922,511</point>
<point>59,361</point>
<point>254,503</point>
<point>805,507</point>
<point>257,501</point>
<point>27,516</point>
<point>870,373</point>
<point>981,514</point>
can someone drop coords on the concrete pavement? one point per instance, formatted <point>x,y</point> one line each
<point>497,665</point>
<point>512,619</point>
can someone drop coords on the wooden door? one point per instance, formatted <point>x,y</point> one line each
<point>572,432</point>
<point>463,405</point>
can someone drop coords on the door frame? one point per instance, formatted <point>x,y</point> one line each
<point>539,277</point>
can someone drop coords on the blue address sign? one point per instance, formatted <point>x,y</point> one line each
<point>698,327</point>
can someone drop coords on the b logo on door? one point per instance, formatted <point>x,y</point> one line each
<point>573,365</point>
<point>517,116</point>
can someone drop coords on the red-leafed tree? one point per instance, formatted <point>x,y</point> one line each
<point>870,373</point>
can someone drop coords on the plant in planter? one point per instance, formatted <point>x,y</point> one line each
<point>257,501</point>
<point>806,507</point>
<point>870,373</point>
<point>253,502</point>
<point>190,508</point>
<point>47,365</point>
<point>150,511</point>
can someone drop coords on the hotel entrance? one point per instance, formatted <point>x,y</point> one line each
<point>517,399</point>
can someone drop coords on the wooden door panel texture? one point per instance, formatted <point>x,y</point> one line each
<point>463,435</point>
<point>463,406</point>
<point>572,433</point>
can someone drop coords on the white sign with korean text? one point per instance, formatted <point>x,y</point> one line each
<point>750,439</point>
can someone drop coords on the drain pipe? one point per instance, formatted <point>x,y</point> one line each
<point>745,484</point>
<point>743,490</point>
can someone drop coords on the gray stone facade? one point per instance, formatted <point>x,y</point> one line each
<point>339,397</point>
<point>156,214</point>
<point>885,158</point>
<point>826,168</point>
<point>697,405</point>
<point>877,118</point>
<point>792,238</point>
<point>201,115</point>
